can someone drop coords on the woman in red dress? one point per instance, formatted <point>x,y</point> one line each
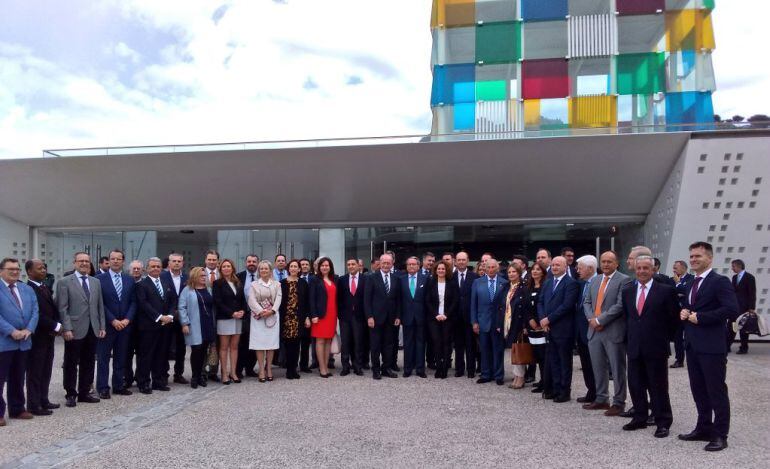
<point>323,304</point>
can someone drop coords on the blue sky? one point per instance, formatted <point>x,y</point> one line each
<point>84,73</point>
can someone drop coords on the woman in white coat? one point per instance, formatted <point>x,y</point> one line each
<point>264,301</point>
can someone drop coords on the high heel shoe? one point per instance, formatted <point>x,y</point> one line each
<point>235,380</point>
<point>226,382</point>
<point>269,378</point>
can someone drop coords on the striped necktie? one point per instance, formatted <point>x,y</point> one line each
<point>158,287</point>
<point>118,282</point>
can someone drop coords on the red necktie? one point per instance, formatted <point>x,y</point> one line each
<point>353,286</point>
<point>694,294</point>
<point>640,301</point>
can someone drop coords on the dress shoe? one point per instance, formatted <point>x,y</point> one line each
<point>376,375</point>
<point>471,374</point>
<point>661,432</point>
<point>396,368</point>
<point>614,411</point>
<point>483,380</point>
<point>2,422</point>
<point>251,374</point>
<point>499,382</point>
<point>596,406</point>
<point>459,374</point>
<point>389,374</point>
<point>303,370</point>
<point>345,372</point>
<point>529,379</point>
<point>40,412</point>
<point>51,406</point>
<point>366,366</point>
<point>179,379</point>
<point>422,374</point>
<point>123,392</point>
<point>88,398</point>
<point>548,395</point>
<point>695,435</point>
<point>202,382</point>
<point>677,364</point>
<point>71,401</point>
<point>536,389</point>
<point>717,444</point>
<point>213,377</point>
<point>651,420</point>
<point>627,414</point>
<point>194,384</point>
<point>22,416</point>
<point>163,387</point>
<point>358,372</point>
<point>105,395</point>
<point>562,398</point>
<point>407,374</point>
<point>632,425</point>
<point>585,399</point>
<point>145,390</point>
<point>741,351</point>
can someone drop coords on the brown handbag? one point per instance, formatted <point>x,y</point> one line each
<point>521,351</point>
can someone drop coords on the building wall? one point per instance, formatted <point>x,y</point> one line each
<point>14,240</point>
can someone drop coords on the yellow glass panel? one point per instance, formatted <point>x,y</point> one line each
<point>453,13</point>
<point>593,111</point>
<point>532,113</point>
<point>689,30</point>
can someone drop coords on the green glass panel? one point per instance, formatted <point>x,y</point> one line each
<point>708,4</point>
<point>641,73</point>
<point>498,42</point>
<point>490,91</point>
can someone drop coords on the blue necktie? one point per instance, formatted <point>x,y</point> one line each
<point>85,287</point>
<point>412,285</point>
<point>555,284</point>
<point>116,280</point>
<point>158,287</point>
<point>491,285</point>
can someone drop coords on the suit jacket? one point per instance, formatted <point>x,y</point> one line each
<point>225,301</point>
<point>166,276</point>
<point>649,333</point>
<point>715,304</point>
<point>114,307</point>
<point>684,286</point>
<point>559,306</point>
<point>745,292</point>
<point>663,278</point>
<point>318,297</point>
<point>413,309</point>
<point>303,303</point>
<point>351,306</point>
<point>611,318</point>
<point>451,299</point>
<point>465,288</point>
<point>484,310</point>
<point>150,305</point>
<point>14,318</point>
<point>381,305</point>
<point>76,311</point>
<point>48,312</point>
<point>521,311</point>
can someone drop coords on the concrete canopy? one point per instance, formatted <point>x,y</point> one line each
<point>613,177</point>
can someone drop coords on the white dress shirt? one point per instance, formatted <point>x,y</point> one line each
<point>15,292</point>
<point>700,284</point>
<point>441,292</point>
<point>647,287</point>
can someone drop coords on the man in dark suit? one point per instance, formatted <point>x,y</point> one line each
<point>428,261</point>
<point>569,254</point>
<point>485,295</point>
<point>659,277</point>
<point>18,320</point>
<point>709,305</point>
<point>682,281</point>
<point>413,318</point>
<point>555,310</point>
<point>350,309</point>
<point>650,308</point>
<point>104,265</point>
<point>395,331</point>
<point>745,286</point>
<point>466,347</point>
<point>175,275</point>
<point>586,271</point>
<point>119,311</point>
<point>40,362</point>
<point>81,310</point>
<point>136,272</point>
<point>382,296</point>
<point>307,358</point>
<point>247,359</point>
<point>154,318</point>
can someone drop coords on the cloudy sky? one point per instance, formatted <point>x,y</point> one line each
<point>87,73</point>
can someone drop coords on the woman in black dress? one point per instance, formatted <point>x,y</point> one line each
<point>514,313</point>
<point>537,277</point>
<point>442,298</point>
<point>293,312</point>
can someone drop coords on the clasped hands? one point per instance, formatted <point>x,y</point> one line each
<point>20,335</point>
<point>262,314</point>
<point>593,324</point>
<point>119,325</point>
<point>687,315</point>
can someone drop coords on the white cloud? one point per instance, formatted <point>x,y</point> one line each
<point>122,49</point>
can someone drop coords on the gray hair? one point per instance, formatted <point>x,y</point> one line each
<point>589,260</point>
<point>645,257</point>
<point>137,261</point>
<point>154,259</point>
<point>641,251</point>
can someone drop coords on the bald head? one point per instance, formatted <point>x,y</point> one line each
<point>558,266</point>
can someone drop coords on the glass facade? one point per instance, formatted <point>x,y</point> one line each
<point>570,63</point>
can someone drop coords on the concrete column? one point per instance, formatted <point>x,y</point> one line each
<point>331,244</point>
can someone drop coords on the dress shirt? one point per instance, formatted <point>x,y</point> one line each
<point>208,274</point>
<point>279,275</point>
<point>700,284</point>
<point>15,292</point>
<point>441,292</point>
<point>609,279</point>
<point>177,279</point>
<point>80,280</point>
<point>556,280</point>
<point>647,287</point>
<point>250,277</point>
<point>740,276</point>
<point>389,275</point>
<point>350,283</point>
<point>154,279</point>
<point>40,284</point>
<point>461,276</point>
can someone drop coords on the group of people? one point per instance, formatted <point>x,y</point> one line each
<point>443,313</point>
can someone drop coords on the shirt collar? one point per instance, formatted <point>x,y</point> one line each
<point>704,274</point>
<point>647,285</point>
<point>492,279</point>
<point>8,284</point>
<point>39,284</point>
<point>558,279</point>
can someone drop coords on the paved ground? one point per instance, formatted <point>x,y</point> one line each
<point>358,422</point>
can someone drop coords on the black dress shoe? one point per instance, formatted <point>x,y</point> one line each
<point>562,398</point>
<point>105,395</point>
<point>499,382</point>
<point>585,399</point>
<point>422,374</point>
<point>471,375</point>
<point>345,372</point>
<point>358,372</point>
<point>376,375</point>
<point>396,368</point>
<point>389,374</point>
<point>123,392</point>
<point>537,389</point>
<point>194,384</point>
<point>632,425</point>
<point>677,364</point>
<point>459,374</point>
<point>50,406</point>
<point>548,395</point>
<point>627,414</point>
<point>88,398</point>
<point>145,390</point>
<point>483,380</point>
<point>407,374</point>
<point>71,401</point>
<point>529,379</point>
<point>717,444</point>
<point>695,435</point>
<point>251,374</point>
<point>202,382</point>
<point>741,351</point>
<point>226,383</point>
<point>179,379</point>
<point>213,377</point>
<point>651,420</point>
<point>161,388</point>
<point>661,432</point>
<point>40,412</point>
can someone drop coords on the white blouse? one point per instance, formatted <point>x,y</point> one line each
<point>441,291</point>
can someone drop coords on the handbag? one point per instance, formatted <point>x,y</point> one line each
<point>335,348</point>
<point>521,351</point>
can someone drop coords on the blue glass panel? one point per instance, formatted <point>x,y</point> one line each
<point>688,62</point>
<point>444,79</point>
<point>543,10</point>
<point>465,92</point>
<point>465,116</point>
<point>691,107</point>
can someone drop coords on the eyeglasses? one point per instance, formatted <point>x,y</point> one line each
<point>12,269</point>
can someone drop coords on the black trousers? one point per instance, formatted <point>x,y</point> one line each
<point>587,369</point>
<point>133,345</point>
<point>180,349</point>
<point>198,359</point>
<point>352,332</point>
<point>381,346</point>
<point>393,359</point>
<point>440,336</point>
<point>467,349</point>
<point>152,357</point>
<point>247,359</point>
<point>731,337</point>
<point>305,341</point>
<point>707,374</point>
<point>39,371</point>
<point>430,353</point>
<point>560,364</point>
<point>414,348</point>
<point>13,364</point>
<point>679,342</point>
<point>538,351</point>
<point>291,355</point>
<point>79,364</point>
<point>650,375</point>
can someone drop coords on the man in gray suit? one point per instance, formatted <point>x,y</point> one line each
<point>79,298</point>
<point>606,334</point>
